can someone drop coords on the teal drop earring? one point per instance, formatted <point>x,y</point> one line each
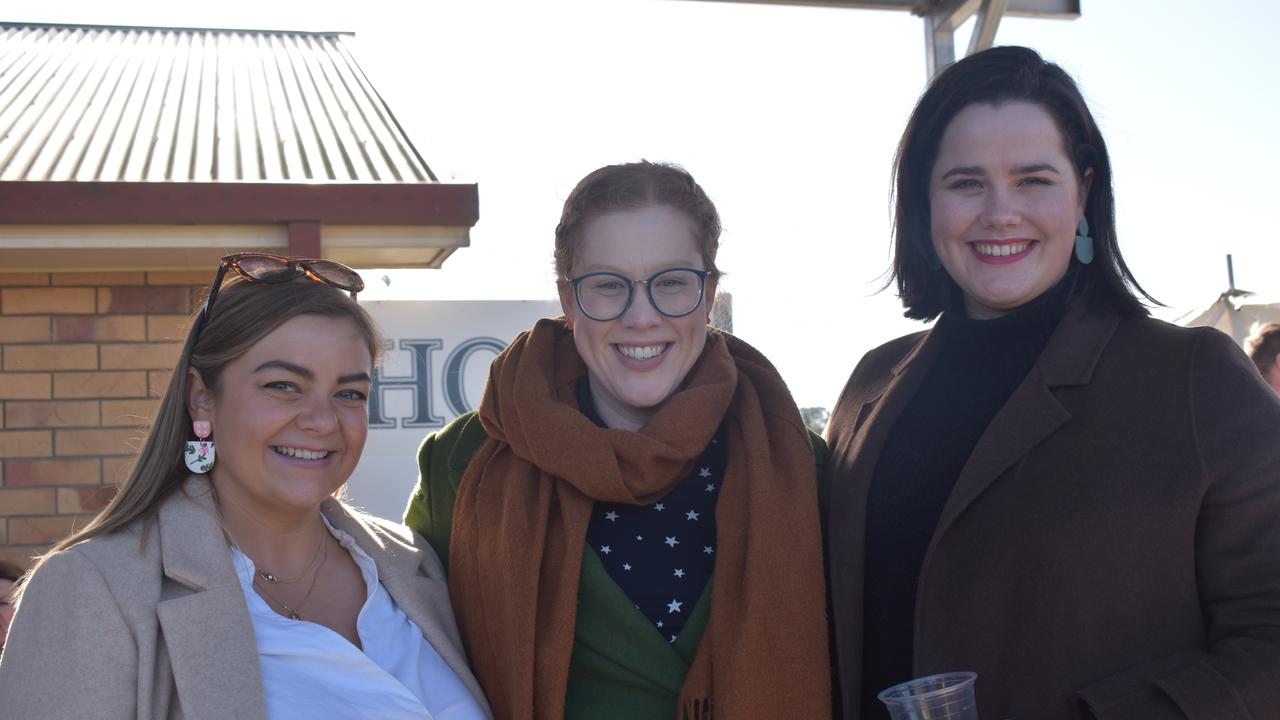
<point>1084,243</point>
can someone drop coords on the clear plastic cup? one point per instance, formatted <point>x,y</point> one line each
<point>948,696</point>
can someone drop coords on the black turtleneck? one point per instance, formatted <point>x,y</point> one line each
<point>978,366</point>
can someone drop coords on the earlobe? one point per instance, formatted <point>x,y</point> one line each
<point>567,303</point>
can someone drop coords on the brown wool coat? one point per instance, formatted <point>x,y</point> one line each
<point>1111,549</point>
<point>106,631</point>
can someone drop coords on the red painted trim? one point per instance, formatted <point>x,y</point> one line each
<point>181,203</point>
<point>304,239</point>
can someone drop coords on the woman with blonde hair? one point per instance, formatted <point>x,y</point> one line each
<point>226,579</point>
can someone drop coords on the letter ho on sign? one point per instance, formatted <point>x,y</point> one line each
<point>421,382</point>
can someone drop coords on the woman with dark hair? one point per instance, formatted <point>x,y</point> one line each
<point>631,519</point>
<point>1048,487</point>
<point>226,579</point>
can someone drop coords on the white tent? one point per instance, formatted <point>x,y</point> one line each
<point>1234,312</point>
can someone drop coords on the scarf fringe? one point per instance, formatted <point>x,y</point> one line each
<point>697,710</point>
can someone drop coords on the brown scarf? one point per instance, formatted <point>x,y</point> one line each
<point>524,504</point>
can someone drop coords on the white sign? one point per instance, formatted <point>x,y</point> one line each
<point>433,370</point>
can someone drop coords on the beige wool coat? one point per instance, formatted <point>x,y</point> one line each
<point>109,629</point>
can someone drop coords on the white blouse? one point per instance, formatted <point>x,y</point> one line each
<point>310,671</point>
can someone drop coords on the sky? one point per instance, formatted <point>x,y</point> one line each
<point>788,117</point>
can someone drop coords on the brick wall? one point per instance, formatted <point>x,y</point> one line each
<point>84,358</point>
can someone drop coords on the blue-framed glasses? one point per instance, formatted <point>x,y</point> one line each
<point>606,296</point>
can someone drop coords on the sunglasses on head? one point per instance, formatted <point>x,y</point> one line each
<point>261,268</point>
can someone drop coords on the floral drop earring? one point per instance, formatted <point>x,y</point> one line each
<point>200,453</point>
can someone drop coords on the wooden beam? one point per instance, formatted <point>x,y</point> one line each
<point>304,239</point>
<point>202,259</point>
<point>142,203</point>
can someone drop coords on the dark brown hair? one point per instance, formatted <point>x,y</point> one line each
<point>997,76</point>
<point>1263,345</point>
<point>631,186</point>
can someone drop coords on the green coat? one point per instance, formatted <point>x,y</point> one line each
<point>621,666</point>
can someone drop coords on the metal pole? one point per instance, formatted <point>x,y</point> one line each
<point>1231,274</point>
<point>984,31</point>
<point>939,46</point>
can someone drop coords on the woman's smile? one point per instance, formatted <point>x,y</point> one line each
<point>297,453</point>
<point>641,354</point>
<point>1002,252</point>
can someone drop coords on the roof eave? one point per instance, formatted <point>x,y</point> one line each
<point>223,203</point>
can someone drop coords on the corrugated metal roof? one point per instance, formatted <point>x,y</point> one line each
<point>166,104</point>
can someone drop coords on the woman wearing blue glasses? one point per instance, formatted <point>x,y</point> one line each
<point>226,580</point>
<point>630,521</point>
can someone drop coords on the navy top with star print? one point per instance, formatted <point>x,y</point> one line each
<point>661,554</point>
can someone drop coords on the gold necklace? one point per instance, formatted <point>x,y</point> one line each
<point>277,580</point>
<point>294,613</point>
<point>266,575</point>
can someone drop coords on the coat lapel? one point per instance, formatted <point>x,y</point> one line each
<point>855,451</point>
<point>1033,412</point>
<point>856,444</point>
<point>203,618</point>
<point>424,600</point>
